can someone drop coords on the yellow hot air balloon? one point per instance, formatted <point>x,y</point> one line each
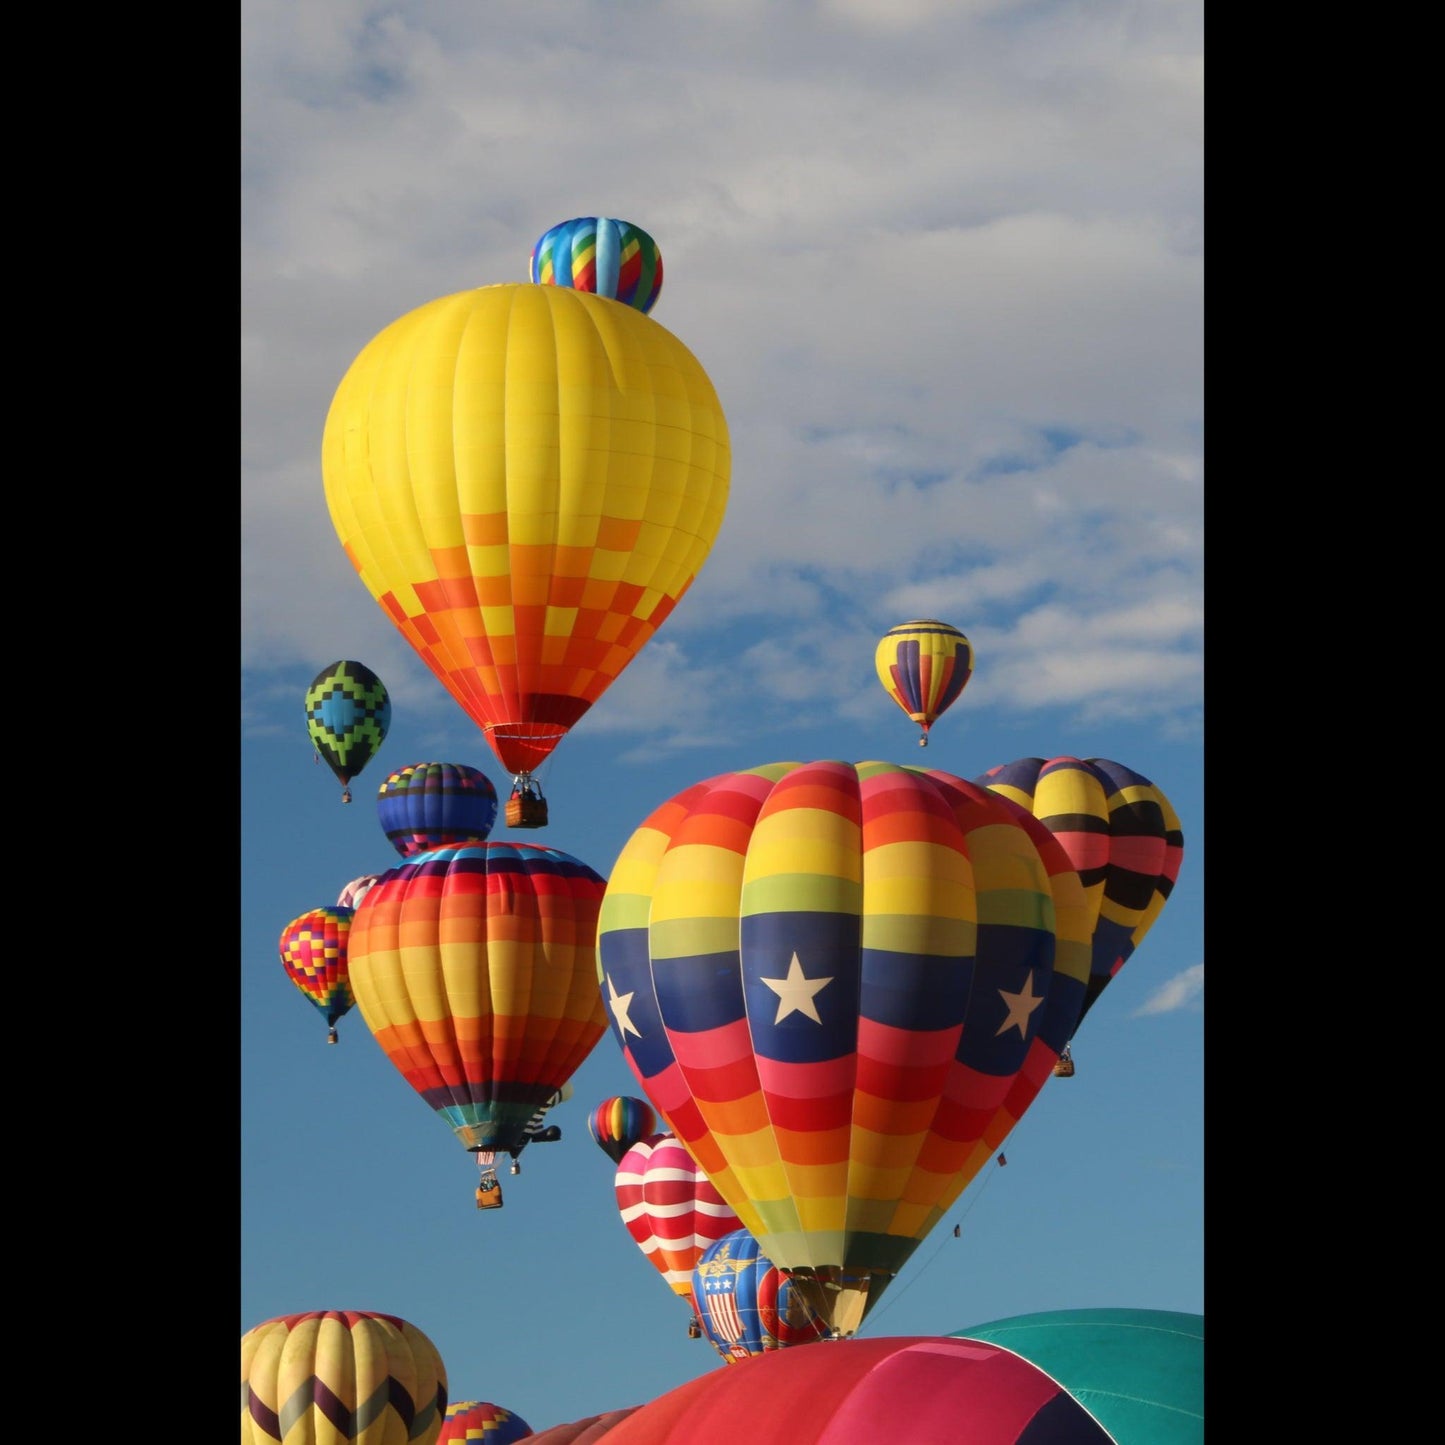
<point>340,1377</point>
<point>528,479</point>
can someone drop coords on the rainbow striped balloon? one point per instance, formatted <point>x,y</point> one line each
<point>840,985</point>
<point>473,966</point>
<point>609,258</point>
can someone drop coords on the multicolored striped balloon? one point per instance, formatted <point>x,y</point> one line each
<point>670,1208</point>
<point>829,979</point>
<point>473,966</point>
<point>315,952</point>
<point>1122,836</point>
<point>746,1304</point>
<point>482,1423</point>
<point>595,253</point>
<point>340,1377</point>
<point>428,805</point>
<point>616,1124</point>
<point>923,666</point>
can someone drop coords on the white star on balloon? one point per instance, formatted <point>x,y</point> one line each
<point>1020,1006</point>
<point>619,1004</point>
<point>795,993</point>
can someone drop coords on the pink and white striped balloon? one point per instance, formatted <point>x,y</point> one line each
<point>670,1208</point>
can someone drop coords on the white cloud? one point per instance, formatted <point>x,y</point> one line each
<point>1182,991</point>
<point>941,263</point>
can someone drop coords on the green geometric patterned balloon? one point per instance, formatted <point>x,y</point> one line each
<point>347,715</point>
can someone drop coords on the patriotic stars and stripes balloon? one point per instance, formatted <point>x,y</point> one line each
<point>840,985</point>
<point>746,1304</point>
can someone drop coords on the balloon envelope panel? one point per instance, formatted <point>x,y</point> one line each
<point>1140,1373</point>
<point>906,1390</point>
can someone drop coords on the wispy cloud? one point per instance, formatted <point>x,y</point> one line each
<point>1181,991</point>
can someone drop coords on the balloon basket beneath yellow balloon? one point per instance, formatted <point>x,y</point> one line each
<point>840,1300</point>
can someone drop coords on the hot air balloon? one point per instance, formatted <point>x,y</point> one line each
<point>528,480</point>
<point>340,1375</point>
<point>1140,1373</point>
<point>828,979</point>
<point>538,1131</point>
<point>586,1431</point>
<point>482,1423</point>
<point>473,966</point>
<point>1124,840</point>
<point>428,805</point>
<point>746,1304</point>
<point>923,666</point>
<point>347,715</point>
<point>906,1390</point>
<point>672,1210</point>
<point>314,951</point>
<point>595,253</point>
<point>616,1124</point>
<point>352,894</point>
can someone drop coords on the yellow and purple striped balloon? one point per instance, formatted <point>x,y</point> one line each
<point>829,979</point>
<point>924,665</point>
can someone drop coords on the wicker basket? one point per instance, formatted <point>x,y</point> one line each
<point>526,810</point>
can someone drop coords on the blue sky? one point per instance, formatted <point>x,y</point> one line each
<point>943,264</point>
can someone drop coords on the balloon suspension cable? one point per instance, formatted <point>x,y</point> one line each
<point>895,1295</point>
